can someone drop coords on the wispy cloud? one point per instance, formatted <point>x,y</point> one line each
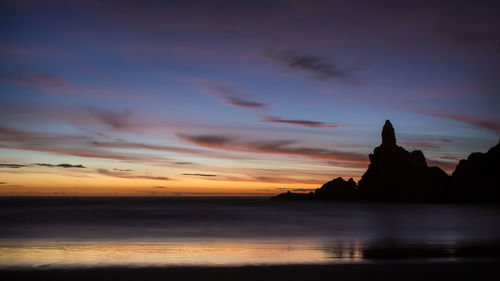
<point>234,97</point>
<point>58,85</point>
<point>491,125</point>
<point>115,120</point>
<point>12,166</point>
<point>320,67</point>
<point>236,101</point>
<point>86,146</point>
<point>4,184</point>
<point>296,189</point>
<point>123,170</point>
<point>129,175</point>
<point>301,123</point>
<point>284,147</point>
<point>59,165</point>
<point>431,143</point>
<point>199,175</point>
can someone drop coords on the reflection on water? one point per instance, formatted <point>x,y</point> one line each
<point>236,231</point>
<point>344,252</point>
<point>160,253</point>
<point>224,252</point>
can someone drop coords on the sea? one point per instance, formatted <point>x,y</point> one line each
<point>60,232</point>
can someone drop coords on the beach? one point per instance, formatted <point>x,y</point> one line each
<point>478,270</point>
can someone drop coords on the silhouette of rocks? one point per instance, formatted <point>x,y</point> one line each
<point>388,135</point>
<point>477,179</point>
<point>294,196</point>
<point>337,189</point>
<point>396,175</point>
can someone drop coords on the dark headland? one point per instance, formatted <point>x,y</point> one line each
<point>397,175</point>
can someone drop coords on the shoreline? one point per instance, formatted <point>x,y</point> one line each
<point>383,270</point>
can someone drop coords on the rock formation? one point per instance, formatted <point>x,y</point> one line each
<point>396,175</point>
<point>477,178</point>
<point>337,189</point>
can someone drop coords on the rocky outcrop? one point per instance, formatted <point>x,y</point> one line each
<point>334,190</point>
<point>396,175</point>
<point>337,189</point>
<point>477,178</point>
<point>286,196</point>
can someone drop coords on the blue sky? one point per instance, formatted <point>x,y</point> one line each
<point>237,97</point>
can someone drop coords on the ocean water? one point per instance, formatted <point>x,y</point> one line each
<point>157,231</point>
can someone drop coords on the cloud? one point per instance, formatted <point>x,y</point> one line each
<point>284,147</point>
<point>133,145</point>
<point>4,184</point>
<point>234,97</point>
<point>159,186</point>
<point>115,120</point>
<point>431,143</point>
<point>12,185</point>
<point>420,145</point>
<point>207,140</point>
<point>183,163</point>
<point>441,140</point>
<point>12,166</point>
<point>57,85</point>
<point>200,175</point>
<point>123,170</point>
<point>491,125</point>
<point>301,123</point>
<point>296,189</point>
<point>60,165</point>
<point>129,176</point>
<point>85,146</point>
<point>318,66</point>
<point>243,103</point>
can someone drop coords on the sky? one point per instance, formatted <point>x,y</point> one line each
<point>200,98</point>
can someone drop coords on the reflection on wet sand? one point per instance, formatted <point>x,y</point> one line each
<point>130,253</point>
<point>221,252</point>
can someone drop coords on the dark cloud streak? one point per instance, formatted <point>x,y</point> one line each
<point>284,147</point>
<point>244,103</point>
<point>60,165</point>
<point>320,67</point>
<point>129,176</point>
<point>12,166</point>
<point>200,175</point>
<point>301,123</point>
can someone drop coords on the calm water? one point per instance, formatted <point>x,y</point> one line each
<point>236,231</point>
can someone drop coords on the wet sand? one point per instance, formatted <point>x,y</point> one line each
<point>387,270</point>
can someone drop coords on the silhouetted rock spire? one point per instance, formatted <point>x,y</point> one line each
<point>388,135</point>
<point>395,174</point>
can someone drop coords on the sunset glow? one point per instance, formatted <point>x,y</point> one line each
<point>176,98</point>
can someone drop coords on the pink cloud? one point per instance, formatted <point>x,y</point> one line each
<point>491,125</point>
<point>50,84</point>
<point>283,147</point>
